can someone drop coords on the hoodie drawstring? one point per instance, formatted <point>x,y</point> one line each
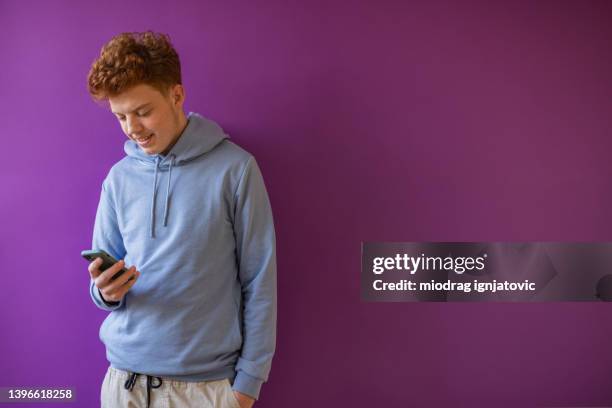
<point>157,160</point>
<point>168,190</point>
<point>129,384</point>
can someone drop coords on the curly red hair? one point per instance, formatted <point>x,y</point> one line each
<point>130,59</point>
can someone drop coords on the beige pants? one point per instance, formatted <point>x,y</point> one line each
<point>171,393</point>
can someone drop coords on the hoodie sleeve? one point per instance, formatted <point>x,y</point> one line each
<point>106,236</point>
<point>256,253</point>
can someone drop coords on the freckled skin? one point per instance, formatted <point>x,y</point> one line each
<point>163,116</point>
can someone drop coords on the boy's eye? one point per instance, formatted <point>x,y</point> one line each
<point>122,118</point>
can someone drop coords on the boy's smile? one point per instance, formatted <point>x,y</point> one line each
<point>153,120</point>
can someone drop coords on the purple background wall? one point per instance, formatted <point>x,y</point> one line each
<point>388,121</point>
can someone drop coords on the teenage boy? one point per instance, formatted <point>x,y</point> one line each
<point>193,321</point>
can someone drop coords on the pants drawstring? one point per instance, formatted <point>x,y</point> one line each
<point>129,384</point>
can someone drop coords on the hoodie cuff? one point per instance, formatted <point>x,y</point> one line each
<point>248,385</point>
<point>101,303</point>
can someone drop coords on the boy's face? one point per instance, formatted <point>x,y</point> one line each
<point>154,121</point>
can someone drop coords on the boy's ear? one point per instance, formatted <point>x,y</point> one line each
<point>176,92</point>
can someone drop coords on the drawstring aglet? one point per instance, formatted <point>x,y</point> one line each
<point>129,383</point>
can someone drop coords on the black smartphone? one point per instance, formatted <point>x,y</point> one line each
<point>107,260</point>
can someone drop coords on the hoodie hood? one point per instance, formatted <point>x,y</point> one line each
<point>200,136</point>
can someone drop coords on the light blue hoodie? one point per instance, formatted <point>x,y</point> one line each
<point>197,224</point>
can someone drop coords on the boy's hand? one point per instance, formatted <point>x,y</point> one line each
<point>244,400</point>
<point>112,291</point>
